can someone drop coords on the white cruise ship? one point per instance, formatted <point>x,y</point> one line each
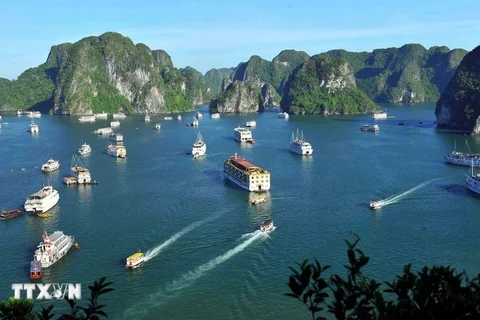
<point>53,248</point>
<point>80,173</point>
<point>246,175</point>
<point>473,181</point>
<point>251,123</point>
<point>300,146</point>
<point>116,150</point>
<point>379,115</point>
<point>87,118</point>
<point>103,131</point>
<point>119,116</point>
<point>33,128</point>
<point>147,117</point>
<point>199,147</point>
<point>242,134</point>
<point>42,200</point>
<point>84,149</point>
<point>102,115</point>
<point>51,165</point>
<point>168,118</point>
<point>114,124</point>
<point>34,114</point>
<point>116,137</point>
<point>215,115</point>
<point>199,115</point>
<point>179,117</point>
<point>283,115</point>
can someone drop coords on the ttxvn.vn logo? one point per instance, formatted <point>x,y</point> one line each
<point>48,291</point>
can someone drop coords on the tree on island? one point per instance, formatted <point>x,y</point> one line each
<point>22,309</point>
<point>433,293</point>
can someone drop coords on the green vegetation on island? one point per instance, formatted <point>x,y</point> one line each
<point>407,74</point>
<point>459,105</point>
<point>324,85</point>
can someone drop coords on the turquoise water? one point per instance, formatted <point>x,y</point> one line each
<point>208,261</point>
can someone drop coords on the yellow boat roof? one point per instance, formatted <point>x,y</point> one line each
<point>135,256</point>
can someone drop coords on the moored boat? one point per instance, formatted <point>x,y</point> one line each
<point>102,115</point>
<point>283,115</point>
<point>42,200</point>
<point>473,181</point>
<point>380,115</point>
<point>84,149</point>
<point>116,150</point>
<point>135,260</point>
<point>89,118</point>
<point>53,248</point>
<point>215,115</point>
<point>370,127</point>
<point>463,158</point>
<point>246,175</point>
<point>251,123</point>
<point>116,137</point>
<point>267,226</point>
<point>36,271</point>
<point>51,165</point>
<point>179,117</point>
<point>242,134</point>
<point>147,118</point>
<point>34,114</point>
<point>158,126</point>
<point>11,213</point>
<point>114,124</point>
<point>168,118</point>
<point>79,172</point>
<point>199,115</point>
<point>119,116</point>
<point>103,131</point>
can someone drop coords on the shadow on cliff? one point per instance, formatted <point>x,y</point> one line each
<point>44,106</point>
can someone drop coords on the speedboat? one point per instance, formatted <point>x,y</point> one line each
<point>135,260</point>
<point>267,226</point>
<point>376,204</point>
<point>51,165</point>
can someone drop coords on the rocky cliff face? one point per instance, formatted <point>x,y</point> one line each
<point>324,85</point>
<point>459,106</point>
<point>408,74</point>
<point>108,73</point>
<point>239,97</point>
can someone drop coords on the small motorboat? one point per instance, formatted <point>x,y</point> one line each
<point>76,246</point>
<point>267,226</point>
<point>258,199</point>
<point>135,260</point>
<point>158,126</point>
<point>376,204</point>
<point>36,270</point>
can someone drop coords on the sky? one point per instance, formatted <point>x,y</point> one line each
<point>207,34</point>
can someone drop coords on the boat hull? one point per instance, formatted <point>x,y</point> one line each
<point>473,184</point>
<point>44,205</point>
<point>9,214</point>
<point>463,161</point>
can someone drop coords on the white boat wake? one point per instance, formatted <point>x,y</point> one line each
<point>188,278</point>
<point>155,251</point>
<point>395,199</point>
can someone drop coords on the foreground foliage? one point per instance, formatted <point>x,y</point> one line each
<point>22,309</point>
<point>433,293</point>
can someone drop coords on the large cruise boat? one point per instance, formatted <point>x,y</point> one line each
<point>90,118</point>
<point>114,124</point>
<point>51,165</point>
<point>84,149</point>
<point>33,128</point>
<point>463,158</point>
<point>246,175</point>
<point>199,147</point>
<point>103,131</point>
<point>473,181</point>
<point>116,150</point>
<point>79,172</point>
<point>242,134</point>
<point>42,200</point>
<point>34,114</point>
<point>53,248</point>
<point>300,146</point>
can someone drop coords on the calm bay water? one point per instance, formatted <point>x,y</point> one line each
<point>209,261</point>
